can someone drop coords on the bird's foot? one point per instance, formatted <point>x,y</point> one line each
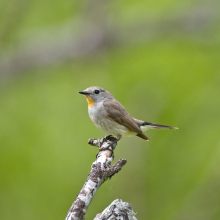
<point>108,138</point>
<point>104,139</point>
<point>110,145</point>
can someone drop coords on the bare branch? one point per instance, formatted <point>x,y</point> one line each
<point>101,171</point>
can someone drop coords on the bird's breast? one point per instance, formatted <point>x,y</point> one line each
<point>96,112</point>
<point>99,117</point>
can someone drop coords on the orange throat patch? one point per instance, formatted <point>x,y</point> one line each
<point>90,101</point>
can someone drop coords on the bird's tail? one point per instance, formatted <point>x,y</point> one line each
<point>147,125</point>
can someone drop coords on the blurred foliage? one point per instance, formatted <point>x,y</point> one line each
<point>167,74</point>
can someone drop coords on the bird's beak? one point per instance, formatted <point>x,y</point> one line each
<point>84,93</point>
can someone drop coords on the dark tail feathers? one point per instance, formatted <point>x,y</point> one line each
<point>157,126</point>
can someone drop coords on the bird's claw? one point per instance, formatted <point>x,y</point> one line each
<point>104,139</point>
<point>105,148</point>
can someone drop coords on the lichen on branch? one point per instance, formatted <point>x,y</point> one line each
<point>100,172</point>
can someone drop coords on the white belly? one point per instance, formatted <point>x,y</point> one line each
<point>111,127</point>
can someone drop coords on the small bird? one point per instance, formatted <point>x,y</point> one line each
<point>110,116</point>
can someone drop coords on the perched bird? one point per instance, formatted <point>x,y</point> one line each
<point>110,116</point>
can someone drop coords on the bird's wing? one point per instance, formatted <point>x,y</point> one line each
<point>116,112</point>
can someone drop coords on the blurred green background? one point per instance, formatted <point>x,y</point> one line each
<point>160,59</point>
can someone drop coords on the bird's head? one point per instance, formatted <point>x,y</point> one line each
<point>96,94</point>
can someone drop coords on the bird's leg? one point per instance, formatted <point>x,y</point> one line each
<point>115,141</point>
<point>118,139</point>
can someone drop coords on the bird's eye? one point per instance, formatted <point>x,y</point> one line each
<point>97,91</point>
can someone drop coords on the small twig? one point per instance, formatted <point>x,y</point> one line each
<point>101,171</point>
